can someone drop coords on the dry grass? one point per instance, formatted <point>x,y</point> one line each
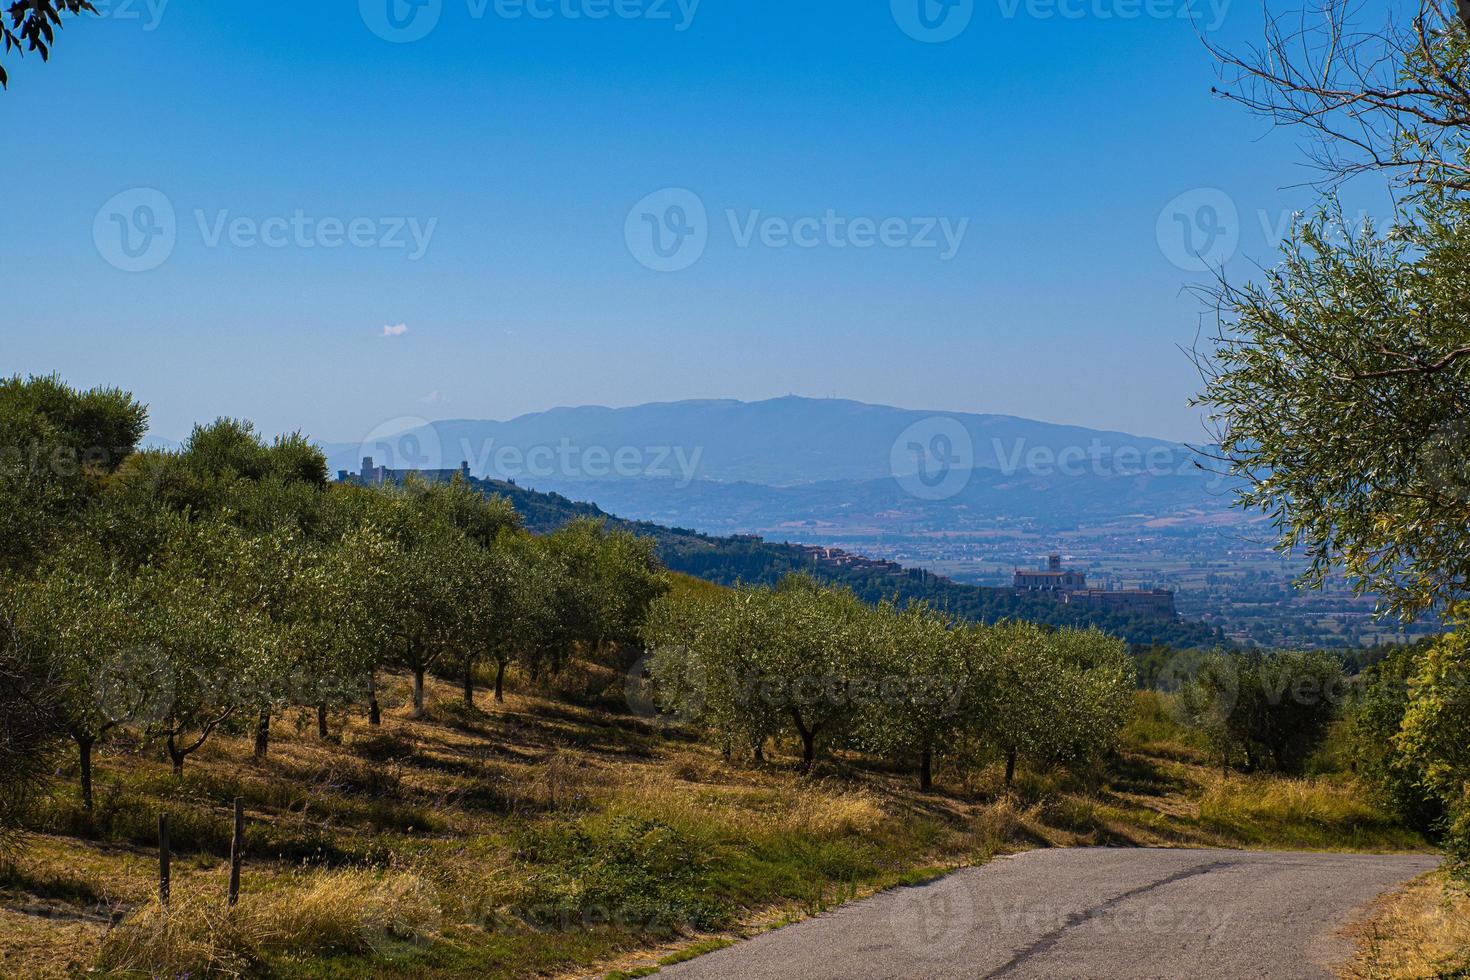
<point>1419,933</point>
<point>322,911</point>
<point>1315,814</point>
<point>437,835</point>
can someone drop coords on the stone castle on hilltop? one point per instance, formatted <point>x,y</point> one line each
<point>376,476</point>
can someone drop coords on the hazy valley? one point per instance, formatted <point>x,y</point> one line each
<point>967,496</point>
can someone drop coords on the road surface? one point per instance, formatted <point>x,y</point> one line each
<point>1087,912</point>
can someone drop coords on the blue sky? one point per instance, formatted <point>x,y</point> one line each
<point>478,190</point>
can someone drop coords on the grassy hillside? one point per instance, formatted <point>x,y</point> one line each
<point>753,561</point>
<point>557,835</point>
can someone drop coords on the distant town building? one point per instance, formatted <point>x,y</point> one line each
<point>374,476</point>
<point>1054,579</point>
<point>1069,587</point>
<point>1134,602</point>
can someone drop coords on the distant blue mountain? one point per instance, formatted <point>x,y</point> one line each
<point>782,442</point>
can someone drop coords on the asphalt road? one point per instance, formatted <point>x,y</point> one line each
<point>1087,912</point>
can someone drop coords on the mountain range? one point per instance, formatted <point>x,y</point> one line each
<point>732,466</point>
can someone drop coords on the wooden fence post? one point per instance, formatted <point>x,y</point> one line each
<point>163,859</point>
<point>237,848</point>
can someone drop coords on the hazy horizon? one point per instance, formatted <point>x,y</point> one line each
<point>376,424</point>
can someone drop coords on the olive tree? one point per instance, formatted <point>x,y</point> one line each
<point>709,652</point>
<point>926,690</point>
<point>58,447</point>
<point>1375,721</point>
<point>82,618</point>
<point>812,670</point>
<point>1433,733</point>
<point>428,582</point>
<point>1385,95</point>
<point>1019,713</point>
<point>1339,400</point>
<point>211,642</point>
<point>1098,678</point>
<point>31,727</point>
<point>490,617</point>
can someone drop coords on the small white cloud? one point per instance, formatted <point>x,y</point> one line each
<point>432,398</point>
<point>395,331</point>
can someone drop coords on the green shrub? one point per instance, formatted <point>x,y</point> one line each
<point>624,871</point>
<point>1269,711</point>
<point>1396,776</point>
<point>30,731</point>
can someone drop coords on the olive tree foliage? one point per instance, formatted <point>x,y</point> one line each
<point>1376,88</point>
<point>438,585</point>
<point>429,577</point>
<point>1097,681</point>
<point>1338,382</point>
<point>538,630</point>
<point>1434,735</point>
<point>491,617</point>
<point>276,494</point>
<point>606,582</point>
<point>348,623</point>
<point>58,446</point>
<point>30,728</point>
<point>1339,399</point>
<point>31,25</point>
<point>1025,709</point>
<point>206,632</point>
<point>627,577</point>
<point>81,616</point>
<point>1267,711</point>
<point>709,655</point>
<point>910,684</point>
<point>464,604</point>
<point>928,688</point>
<point>818,670</point>
<point>1395,775</point>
